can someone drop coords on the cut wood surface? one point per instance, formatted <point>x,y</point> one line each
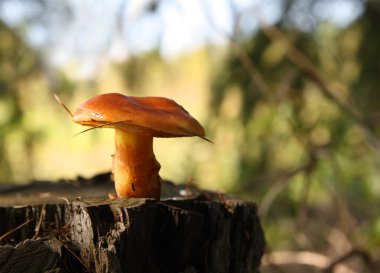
<point>71,226</point>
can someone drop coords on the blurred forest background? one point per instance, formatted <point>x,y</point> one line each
<point>288,90</point>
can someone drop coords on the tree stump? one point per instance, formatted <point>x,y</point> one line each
<point>45,228</point>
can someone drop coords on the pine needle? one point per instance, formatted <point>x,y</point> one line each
<point>62,104</point>
<point>98,126</point>
<point>15,229</point>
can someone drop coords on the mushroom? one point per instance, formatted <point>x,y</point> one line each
<point>136,121</point>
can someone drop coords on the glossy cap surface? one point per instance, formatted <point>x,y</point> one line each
<point>156,116</point>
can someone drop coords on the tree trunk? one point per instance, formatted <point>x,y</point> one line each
<point>187,231</point>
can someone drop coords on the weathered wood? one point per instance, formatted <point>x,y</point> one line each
<point>202,233</point>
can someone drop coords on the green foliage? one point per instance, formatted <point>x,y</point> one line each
<point>17,63</point>
<point>294,119</point>
<point>298,142</point>
<point>23,91</point>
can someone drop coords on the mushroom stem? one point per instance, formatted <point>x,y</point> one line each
<point>135,167</point>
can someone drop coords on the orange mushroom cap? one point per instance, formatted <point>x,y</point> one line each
<point>155,116</point>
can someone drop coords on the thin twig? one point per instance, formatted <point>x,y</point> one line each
<point>337,193</point>
<point>242,55</point>
<point>299,59</point>
<point>353,253</point>
<point>38,227</point>
<point>72,253</point>
<point>251,69</point>
<point>314,259</point>
<point>302,62</point>
<point>99,126</point>
<point>64,199</point>
<point>283,181</point>
<point>62,104</point>
<point>15,229</point>
<point>221,199</point>
<point>301,217</point>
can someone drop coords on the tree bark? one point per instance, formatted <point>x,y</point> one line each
<point>203,232</point>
